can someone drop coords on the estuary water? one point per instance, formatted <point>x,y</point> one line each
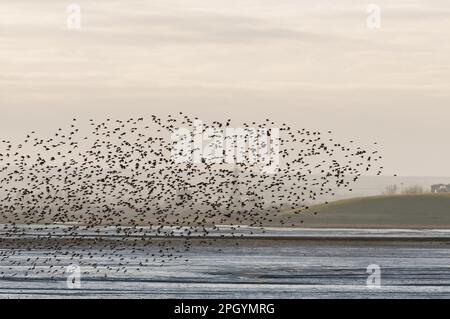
<point>283,263</point>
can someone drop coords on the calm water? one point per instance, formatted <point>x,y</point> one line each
<point>283,268</point>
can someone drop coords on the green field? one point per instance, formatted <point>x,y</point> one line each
<point>397,211</point>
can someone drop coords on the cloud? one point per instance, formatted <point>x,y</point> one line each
<point>236,54</point>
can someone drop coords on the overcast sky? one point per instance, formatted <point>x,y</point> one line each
<point>310,63</point>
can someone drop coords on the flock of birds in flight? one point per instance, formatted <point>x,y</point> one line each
<point>118,175</point>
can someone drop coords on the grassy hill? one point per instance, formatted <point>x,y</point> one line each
<point>398,211</point>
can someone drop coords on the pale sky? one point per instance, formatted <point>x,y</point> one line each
<point>309,63</point>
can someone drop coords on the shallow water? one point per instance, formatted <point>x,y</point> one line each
<point>287,268</point>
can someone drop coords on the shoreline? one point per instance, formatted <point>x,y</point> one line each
<point>224,233</point>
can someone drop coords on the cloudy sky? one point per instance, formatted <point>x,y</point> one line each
<point>310,63</point>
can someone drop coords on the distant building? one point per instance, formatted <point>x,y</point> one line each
<point>440,188</point>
